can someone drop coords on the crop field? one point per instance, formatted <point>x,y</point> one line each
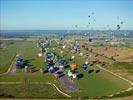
<point>34,85</point>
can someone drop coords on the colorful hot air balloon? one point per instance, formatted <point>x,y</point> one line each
<point>73,66</point>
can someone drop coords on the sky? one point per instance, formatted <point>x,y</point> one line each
<point>65,14</point>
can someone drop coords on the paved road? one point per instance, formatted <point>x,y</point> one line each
<point>68,84</point>
<point>13,67</point>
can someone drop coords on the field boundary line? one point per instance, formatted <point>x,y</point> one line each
<point>47,83</point>
<point>6,83</point>
<point>53,85</point>
<point>9,67</point>
<point>130,82</point>
<point>58,89</point>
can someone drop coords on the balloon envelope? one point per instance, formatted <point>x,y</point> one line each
<point>118,27</point>
<point>81,54</point>
<point>74,75</point>
<point>73,66</point>
<point>86,62</point>
<point>39,54</point>
<point>73,57</point>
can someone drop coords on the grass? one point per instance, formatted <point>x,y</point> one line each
<point>108,84</point>
<point>7,55</point>
<point>123,66</point>
<point>28,77</point>
<point>127,93</point>
<point>30,52</point>
<point>91,85</point>
<point>29,91</point>
<point>101,84</point>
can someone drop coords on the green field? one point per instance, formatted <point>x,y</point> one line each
<point>123,66</point>
<point>100,84</point>
<point>7,54</point>
<point>91,85</point>
<point>29,91</point>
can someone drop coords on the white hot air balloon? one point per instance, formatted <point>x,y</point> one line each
<point>39,54</point>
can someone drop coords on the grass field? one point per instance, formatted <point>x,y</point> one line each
<point>100,84</point>
<point>7,55</point>
<point>123,66</point>
<point>124,69</point>
<point>29,91</point>
<point>91,85</point>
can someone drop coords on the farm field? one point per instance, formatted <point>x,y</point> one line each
<point>90,85</point>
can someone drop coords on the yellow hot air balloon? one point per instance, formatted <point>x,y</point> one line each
<point>53,48</point>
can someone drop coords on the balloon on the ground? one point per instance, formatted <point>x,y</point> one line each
<point>63,46</point>
<point>72,57</point>
<point>86,62</point>
<point>61,52</point>
<point>81,54</point>
<point>74,75</point>
<point>73,66</point>
<point>40,54</point>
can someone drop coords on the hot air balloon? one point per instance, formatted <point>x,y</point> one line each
<point>73,66</point>
<point>118,27</point>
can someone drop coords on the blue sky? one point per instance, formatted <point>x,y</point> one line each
<point>65,14</point>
